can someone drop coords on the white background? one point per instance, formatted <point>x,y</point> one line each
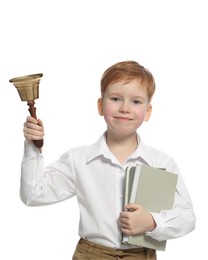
<point>72,43</point>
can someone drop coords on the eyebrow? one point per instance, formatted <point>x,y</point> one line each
<point>119,94</point>
<point>139,97</point>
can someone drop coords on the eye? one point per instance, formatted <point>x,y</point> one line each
<point>115,99</point>
<point>136,102</point>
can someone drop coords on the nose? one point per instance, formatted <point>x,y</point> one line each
<point>124,108</point>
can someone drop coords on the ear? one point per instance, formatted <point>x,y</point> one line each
<point>100,106</point>
<point>148,113</point>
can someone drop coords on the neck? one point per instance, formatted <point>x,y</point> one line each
<point>122,146</point>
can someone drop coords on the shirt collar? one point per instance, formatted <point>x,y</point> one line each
<point>142,152</point>
<point>100,148</point>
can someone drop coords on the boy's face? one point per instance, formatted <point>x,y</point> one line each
<point>124,107</point>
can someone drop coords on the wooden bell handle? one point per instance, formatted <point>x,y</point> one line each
<point>32,110</point>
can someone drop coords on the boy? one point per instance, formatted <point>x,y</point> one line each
<point>95,173</point>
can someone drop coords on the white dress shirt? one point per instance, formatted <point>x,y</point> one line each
<point>94,175</point>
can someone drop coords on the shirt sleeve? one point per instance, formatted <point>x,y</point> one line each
<point>178,221</point>
<point>39,186</point>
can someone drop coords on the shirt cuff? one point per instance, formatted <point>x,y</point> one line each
<point>30,151</point>
<point>156,233</point>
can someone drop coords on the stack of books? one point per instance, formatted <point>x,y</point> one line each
<point>152,188</point>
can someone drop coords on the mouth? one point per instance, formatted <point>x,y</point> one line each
<point>123,118</point>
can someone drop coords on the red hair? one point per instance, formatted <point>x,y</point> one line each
<point>127,71</point>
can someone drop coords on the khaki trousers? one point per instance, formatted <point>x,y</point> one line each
<point>86,250</point>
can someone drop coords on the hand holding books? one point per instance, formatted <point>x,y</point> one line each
<point>136,220</point>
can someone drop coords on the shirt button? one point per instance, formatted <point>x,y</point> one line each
<point>121,196</point>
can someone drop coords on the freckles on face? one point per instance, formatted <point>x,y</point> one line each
<point>108,111</point>
<point>124,106</point>
<point>108,108</point>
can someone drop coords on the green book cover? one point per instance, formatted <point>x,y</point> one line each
<point>154,189</point>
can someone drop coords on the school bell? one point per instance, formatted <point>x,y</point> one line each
<point>28,89</point>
